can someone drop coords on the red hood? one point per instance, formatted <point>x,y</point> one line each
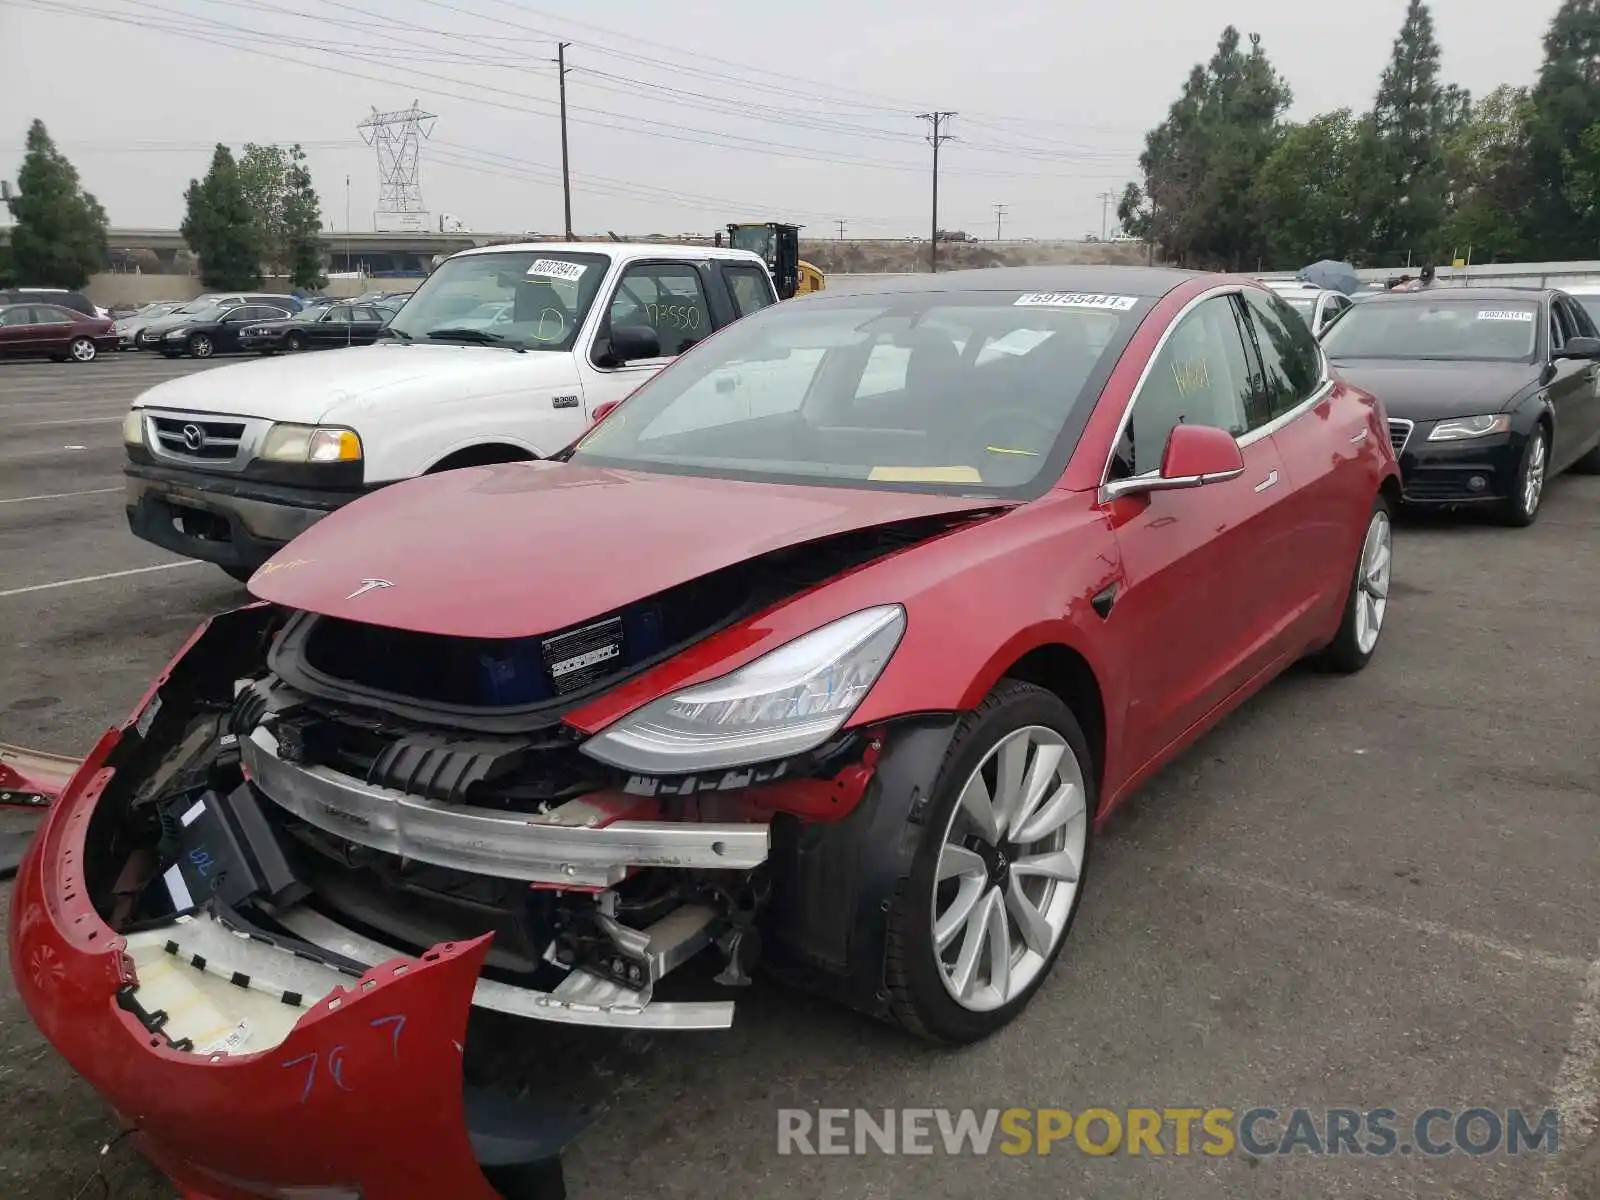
<point>529,548</point>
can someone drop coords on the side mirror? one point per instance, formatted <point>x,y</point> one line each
<point>1195,455</point>
<point>1580,347</point>
<point>630,343</point>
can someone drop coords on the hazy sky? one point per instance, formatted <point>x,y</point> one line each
<point>683,116</point>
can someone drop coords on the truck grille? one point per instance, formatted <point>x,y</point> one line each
<point>1399,434</point>
<point>198,439</point>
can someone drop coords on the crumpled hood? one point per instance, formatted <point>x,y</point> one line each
<point>529,548</point>
<point>339,384</point>
<point>1419,390</point>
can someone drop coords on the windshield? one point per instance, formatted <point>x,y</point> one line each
<point>1462,328</point>
<point>964,392</point>
<point>546,294</point>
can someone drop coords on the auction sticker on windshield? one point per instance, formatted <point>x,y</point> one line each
<point>1504,314</point>
<point>1076,300</point>
<point>552,268</point>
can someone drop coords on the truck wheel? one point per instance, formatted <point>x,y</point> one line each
<point>999,869</point>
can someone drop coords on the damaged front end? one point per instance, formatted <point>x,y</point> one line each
<point>268,910</point>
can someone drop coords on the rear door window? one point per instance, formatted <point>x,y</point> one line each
<point>751,287</point>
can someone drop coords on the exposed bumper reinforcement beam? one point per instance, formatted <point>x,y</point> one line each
<point>489,842</point>
<point>580,999</point>
<point>29,779</point>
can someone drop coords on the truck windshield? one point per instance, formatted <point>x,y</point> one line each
<point>540,296</point>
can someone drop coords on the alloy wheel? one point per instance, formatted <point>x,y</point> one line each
<point>1533,476</point>
<point>1008,868</point>
<point>82,350</point>
<point>200,347</point>
<point>1372,583</point>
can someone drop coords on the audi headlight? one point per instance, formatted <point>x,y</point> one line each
<point>1462,428</point>
<point>133,428</point>
<point>310,444</point>
<point>788,701</point>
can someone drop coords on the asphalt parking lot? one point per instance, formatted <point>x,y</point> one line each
<point>1361,893</point>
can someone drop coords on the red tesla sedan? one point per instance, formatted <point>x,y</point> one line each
<point>829,649</point>
<point>36,330</point>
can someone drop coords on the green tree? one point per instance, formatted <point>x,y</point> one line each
<point>219,228</point>
<point>1312,195</point>
<point>1563,107</point>
<point>1486,161</point>
<point>59,235</point>
<point>1414,115</point>
<point>263,173</point>
<point>1199,165</point>
<point>302,225</point>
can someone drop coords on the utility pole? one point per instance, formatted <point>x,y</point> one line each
<point>999,214</point>
<point>840,223</point>
<point>566,177</point>
<point>938,122</point>
<point>347,223</point>
<point>1105,199</point>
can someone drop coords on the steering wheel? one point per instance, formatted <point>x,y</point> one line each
<point>1013,433</point>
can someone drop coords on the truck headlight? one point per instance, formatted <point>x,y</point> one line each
<point>310,444</point>
<point>1460,429</point>
<point>133,427</point>
<point>786,702</point>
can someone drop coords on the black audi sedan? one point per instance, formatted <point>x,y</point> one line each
<point>209,331</point>
<point>1490,392</point>
<point>321,328</point>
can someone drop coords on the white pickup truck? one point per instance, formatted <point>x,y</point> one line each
<point>504,353</point>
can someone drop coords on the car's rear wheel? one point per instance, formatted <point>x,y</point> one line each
<point>82,350</point>
<point>1368,603</point>
<point>998,874</point>
<point>1521,508</point>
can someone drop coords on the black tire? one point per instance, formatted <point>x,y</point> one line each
<point>242,574</point>
<point>1514,510</point>
<point>294,343</point>
<point>919,1000</point>
<point>82,350</point>
<point>200,346</point>
<point>1344,655</point>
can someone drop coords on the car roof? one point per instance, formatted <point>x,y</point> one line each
<point>1506,294</point>
<point>1144,282</point>
<point>625,250</point>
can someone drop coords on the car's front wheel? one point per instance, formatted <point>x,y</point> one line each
<point>201,346</point>
<point>294,343</point>
<point>998,873</point>
<point>1527,490</point>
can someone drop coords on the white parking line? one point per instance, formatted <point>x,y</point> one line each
<point>68,421</point>
<point>60,495</point>
<point>61,583</point>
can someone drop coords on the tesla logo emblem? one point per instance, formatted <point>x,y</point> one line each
<point>369,585</point>
<point>194,437</point>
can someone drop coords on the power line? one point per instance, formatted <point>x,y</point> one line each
<point>936,138</point>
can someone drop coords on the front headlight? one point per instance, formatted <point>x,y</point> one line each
<point>177,333</point>
<point>310,444</point>
<point>1461,428</point>
<point>133,428</point>
<point>788,701</point>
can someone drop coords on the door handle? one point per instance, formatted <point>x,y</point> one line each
<point>1269,481</point>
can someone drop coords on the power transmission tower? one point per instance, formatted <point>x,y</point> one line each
<point>840,224</point>
<point>999,215</point>
<point>1105,199</point>
<point>566,177</point>
<point>397,137</point>
<point>938,122</point>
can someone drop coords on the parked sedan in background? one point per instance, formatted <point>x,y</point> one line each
<point>60,297</point>
<point>53,331</point>
<point>127,327</point>
<point>215,331</point>
<point>1489,391</point>
<point>1319,307</point>
<point>327,327</point>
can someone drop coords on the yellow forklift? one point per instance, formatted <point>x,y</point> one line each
<point>779,247</point>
